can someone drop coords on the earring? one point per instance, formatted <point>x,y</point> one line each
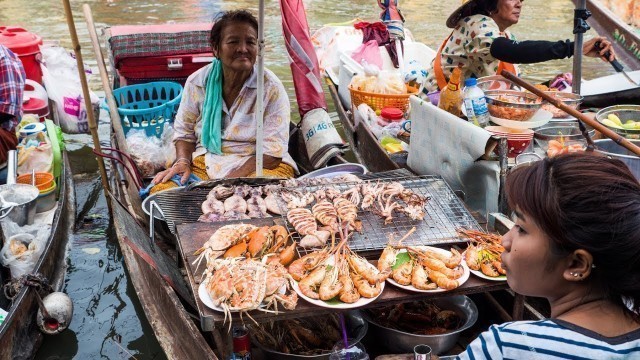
<point>574,274</point>
<point>593,266</point>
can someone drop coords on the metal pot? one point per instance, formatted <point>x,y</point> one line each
<point>25,196</point>
<point>356,328</point>
<point>400,342</point>
<point>609,148</point>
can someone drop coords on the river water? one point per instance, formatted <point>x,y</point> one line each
<point>108,320</point>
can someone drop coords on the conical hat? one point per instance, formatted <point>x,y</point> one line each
<point>455,16</point>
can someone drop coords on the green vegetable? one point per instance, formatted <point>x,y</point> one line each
<point>401,259</point>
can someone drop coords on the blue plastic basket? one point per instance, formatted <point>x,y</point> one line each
<point>148,106</point>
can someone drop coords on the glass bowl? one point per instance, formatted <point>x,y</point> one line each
<point>570,99</point>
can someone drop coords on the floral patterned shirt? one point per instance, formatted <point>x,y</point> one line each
<point>469,47</point>
<point>239,125</point>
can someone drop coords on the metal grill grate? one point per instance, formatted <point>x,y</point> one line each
<point>445,213</point>
<point>181,206</point>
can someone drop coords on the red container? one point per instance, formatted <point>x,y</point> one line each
<point>26,46</point>
<point>144,53</point>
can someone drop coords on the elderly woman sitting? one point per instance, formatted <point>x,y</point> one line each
<point>215,128</point>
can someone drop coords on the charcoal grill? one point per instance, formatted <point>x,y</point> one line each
<point>445,214</point>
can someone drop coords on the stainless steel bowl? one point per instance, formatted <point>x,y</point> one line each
<point>356,329</point>
<point>567,133</point>
<point>609,148</point>
<point>624,112</point>
<point>570,99</point>
<point>512,105</point>
<point>25,197</point>
<point>397,341</point>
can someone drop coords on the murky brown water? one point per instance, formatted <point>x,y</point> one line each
<point>108,321</point>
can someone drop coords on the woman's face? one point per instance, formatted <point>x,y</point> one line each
<point>507,13</point>
<point>238,47</point>
<point>528,260</point>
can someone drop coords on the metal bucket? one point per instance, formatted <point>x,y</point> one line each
<point>611,149</point>
<point>25,196</point>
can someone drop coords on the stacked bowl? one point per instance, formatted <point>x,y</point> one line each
<point>518,140</point>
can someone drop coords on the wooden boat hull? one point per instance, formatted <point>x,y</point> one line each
<point>19,335</point>
<point>626,42</point>
<point>363,143</point>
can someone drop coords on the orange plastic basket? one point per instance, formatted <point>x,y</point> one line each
<point>44,180</point>
<point>381,101</point>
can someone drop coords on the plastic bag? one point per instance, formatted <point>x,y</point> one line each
<point>385,82</point>
<point>60,76</point>
<point>38,158</point>
<point>369,53</point>
<point>20,253</point>
<point>151,154</point>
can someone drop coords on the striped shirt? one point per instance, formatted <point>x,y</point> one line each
<point>550,339</point>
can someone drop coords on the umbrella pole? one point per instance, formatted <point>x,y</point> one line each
<point>260,100</point>
<point>580,26</point>
<point>93,127</point>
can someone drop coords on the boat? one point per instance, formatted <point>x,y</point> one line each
<point>19,333</point>
<point>613,89</point>
<point>626,39</point>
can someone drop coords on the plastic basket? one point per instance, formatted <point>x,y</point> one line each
<point>381,101</point>
<point>44,180</point>
<point>148,106</point>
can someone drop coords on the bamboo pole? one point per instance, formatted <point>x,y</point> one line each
<point>93,127</point>
<point>620,140</point>
<point>116,124</point>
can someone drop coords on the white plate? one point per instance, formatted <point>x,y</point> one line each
<point>540,118</point>
<point>480,274</point>
<point>461,280</point>
<point>361,302</point>
<point>208,302</point>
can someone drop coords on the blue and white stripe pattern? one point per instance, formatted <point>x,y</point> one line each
<point>550,339</point>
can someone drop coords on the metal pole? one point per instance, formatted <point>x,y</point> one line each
<point>260,102</point>
<point>580,26</point>
<point>93,127</point>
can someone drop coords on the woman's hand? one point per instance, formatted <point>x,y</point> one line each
<point>180,167</point>
<point>589,48</point>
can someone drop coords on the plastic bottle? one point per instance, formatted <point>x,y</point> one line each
<point>451,96</point>
<point>475,103</point>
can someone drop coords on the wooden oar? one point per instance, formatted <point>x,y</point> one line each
<point>620,140</point>
<point>93,127</point>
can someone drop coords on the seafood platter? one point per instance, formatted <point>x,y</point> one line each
<point>482,256</point>
<point>258,248</point>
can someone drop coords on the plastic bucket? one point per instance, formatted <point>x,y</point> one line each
<point>26,46</point>
<point>46,199</point>
<point>44,180</point>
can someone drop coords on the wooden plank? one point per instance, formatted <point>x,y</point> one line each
<point>192,236</point>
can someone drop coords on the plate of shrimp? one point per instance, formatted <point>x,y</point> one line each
<point>423,269</point>
<point>482,256</point>
<point>336,278</point>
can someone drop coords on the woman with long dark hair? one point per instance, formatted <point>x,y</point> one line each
<point>576,242</point>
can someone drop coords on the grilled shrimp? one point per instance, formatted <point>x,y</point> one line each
<point>438,265</point>
<point>365,289</point>
<point>402,274</point>
<point>442,280</point>
<point>330,286</point>
<point>348,294</point>
<point>299,268</point>
<point>310,284</point>
<point>472,257</point>
<point>420,279</point>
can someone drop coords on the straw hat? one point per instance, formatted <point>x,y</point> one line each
<point>455,16</point>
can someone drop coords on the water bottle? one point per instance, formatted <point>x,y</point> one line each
<point>475,103</point>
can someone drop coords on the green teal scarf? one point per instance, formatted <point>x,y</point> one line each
<point>212,110</point>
